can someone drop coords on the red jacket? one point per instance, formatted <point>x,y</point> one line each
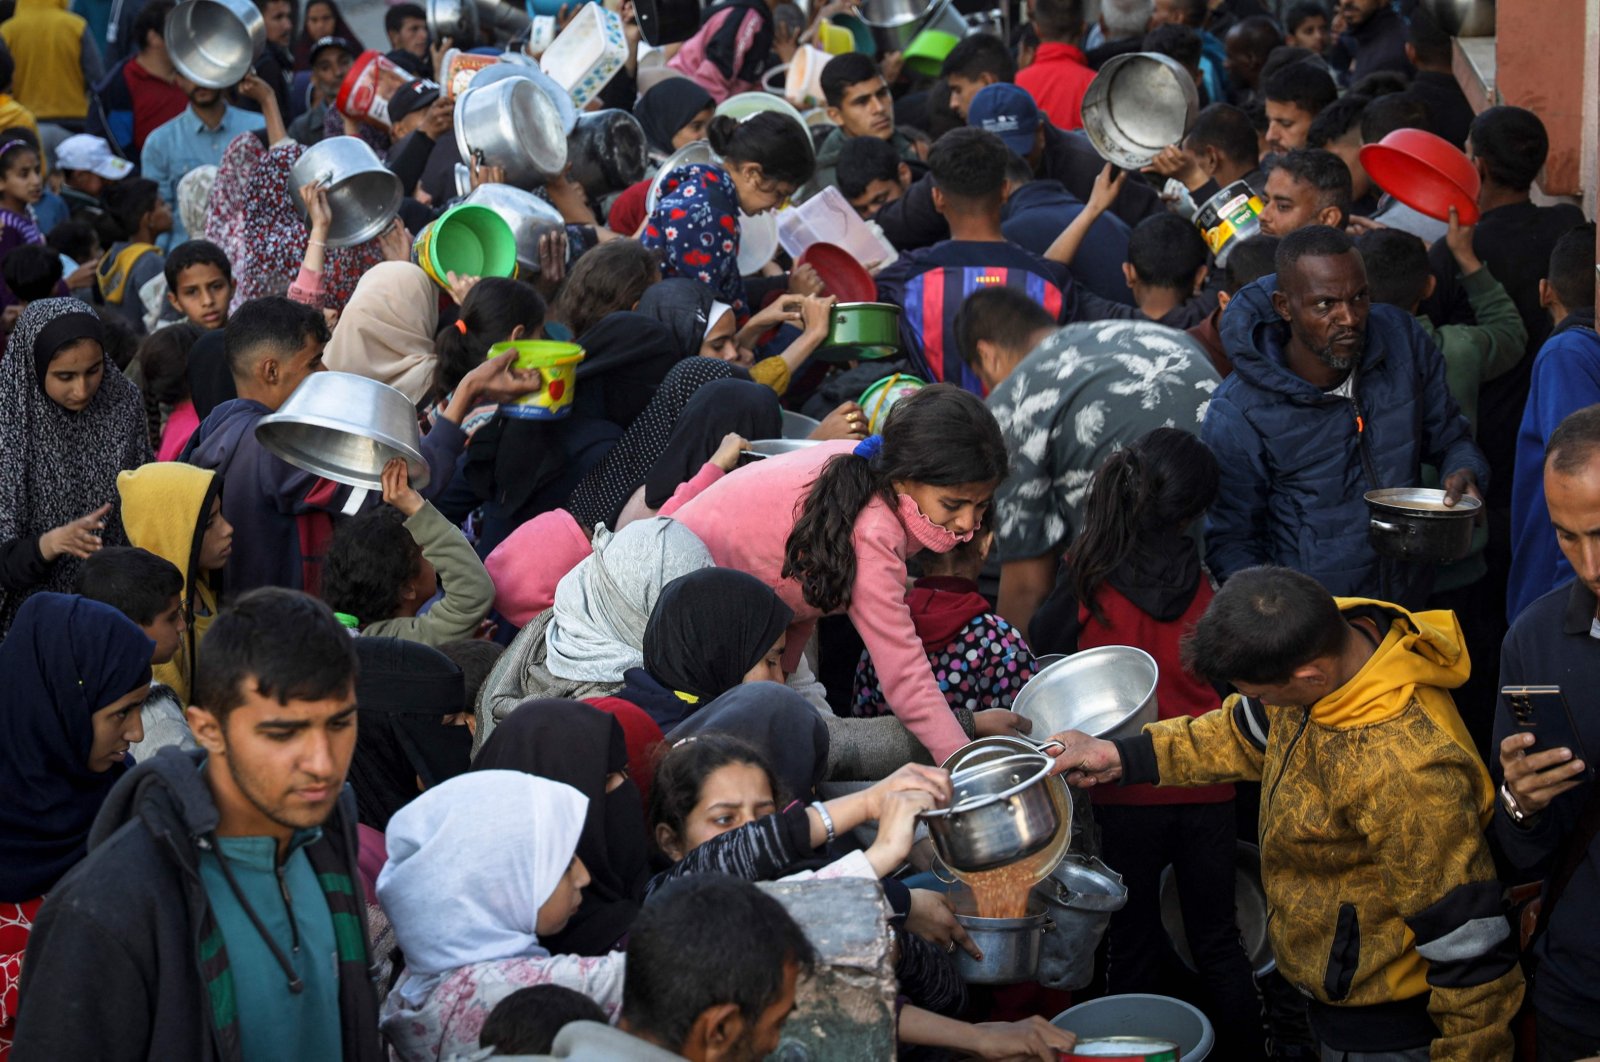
<point>1057,81</point>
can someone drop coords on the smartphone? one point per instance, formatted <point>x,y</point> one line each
<point>1543,712</point>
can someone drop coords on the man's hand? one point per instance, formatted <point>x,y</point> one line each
<point>1460,482</point>
<point>440,119</point>
<point>1174,162</point>
<point>1458,238</point>
<point>397,489</point>
<point>1107,186</point>
<point>436,54</point>
<point>1537,779</point>
<point>1087,761</point>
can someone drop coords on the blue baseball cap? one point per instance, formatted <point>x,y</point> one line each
<point>1008,112</point>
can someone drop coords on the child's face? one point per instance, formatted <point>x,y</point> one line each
<point>166,630</point>
<point>770,667</point>
<point>733,795</point>
<point>75,374</point>
<point>217,543</point>
<point>23,182</point>
<point>115,727</point>
<point>160,218</point>
<point>557,911</point>
<point>202,295</point>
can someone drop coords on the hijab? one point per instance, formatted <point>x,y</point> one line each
<point>386,330</point>
<point>603,605</point>
<point>230,195</point>
<point>194,198</point>
<point>210,379</point>
<point>643,737</point>
<point>744,407</point>
<point>55,465</point>
<point>572,743</point>
<point>666,108</point>
<point>684,307</point>
<point>778,721</point>
<point>710,627</point>
<point>470,863</point>
<point>66,658</point>
<point>403,689</point>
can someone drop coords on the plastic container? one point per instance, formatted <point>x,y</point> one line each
<point>548,8</point>
<point>366,89</point>
<point>925,55</point>
<point>557,363</point>
<point>828,217</point>
<point>1425,172</point>
<point>457,69</point>
<point>802,84</point>
<point>877,400</point>
<point>469,241</point>
<point>835,40</point>
<point>749,104</point>
<point>1144,1016</point>
<point>758,241</point>
<point>1228,218</point>
<point>842,276</point>
<point>587,54</point>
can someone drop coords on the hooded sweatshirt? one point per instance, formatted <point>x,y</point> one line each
<point>1382,903</point>
<point>56,58</point>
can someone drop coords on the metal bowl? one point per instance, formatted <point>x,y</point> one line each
<point>1001,813</point>
<point>798,426</point>
<point>513,124</point>
<point>456,19</point>
<point>608,152</point>
<point>529,217</point>
<point>1107,692</point>
<point>1249,904</point>
<point>363,195</point>
<point>345,427</point>
<point>214,43</point>
<point>696,152</point>
<point>1136,105</point>
<point>776,447</point>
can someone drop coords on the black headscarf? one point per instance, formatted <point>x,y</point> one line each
<point>684,307</point>
<point>667,108</point>
<point>785,726</point>
<point>403,691</point>
<point>210,380</point>
<point>625,357</point>
<point>741,406</point>
<point>570,742</point>
<point>710,627</point>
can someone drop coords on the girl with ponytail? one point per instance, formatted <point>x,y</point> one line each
<point>830,527</point>
<point>496,310</point>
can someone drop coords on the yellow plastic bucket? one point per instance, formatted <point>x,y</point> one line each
<point>835,40</point>
<point>557,363</point>
<point>469,241</point>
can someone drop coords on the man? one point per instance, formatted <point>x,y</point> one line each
<point>1565,379</point>
<point>57,60</point>
<point>1058,77</point>
<point>1372,850</point>
<point>1429,49</point>
<point>1218,150</point>
<point>142,93</point>
<point>1038,211</point>
<point>407,27</point>
<point>219,914</point>
<point>1248,44</point>
<point>195,138</point>
<point>1338,129</point>
<point>1066,399</point>
<point>331,59</point>
<point>871,174</point>
<point>87,168</point>
<point>1120,29</point>
<point>1374,39</point>
<point>275,65</point>
<point>1545,821</point>
<point>1308,186</point>
<point>712,967</point>
<point>974,64</point>
<point>1248,260</point>
<point>1330,397</point>
<point>859,105</point>
<point>1295,95</point>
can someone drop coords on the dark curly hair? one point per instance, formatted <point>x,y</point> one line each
<point>369,561</point>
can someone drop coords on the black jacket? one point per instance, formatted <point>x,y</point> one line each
<point>125,960</point>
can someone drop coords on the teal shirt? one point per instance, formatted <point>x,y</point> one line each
<point>275,1023</point>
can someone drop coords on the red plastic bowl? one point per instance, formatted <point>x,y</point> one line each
<point>1425,172</point>
<point>842,276</point>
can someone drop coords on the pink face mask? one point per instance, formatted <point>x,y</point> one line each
<point>925,532</point>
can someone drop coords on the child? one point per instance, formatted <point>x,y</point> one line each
<point>32,273</point>
<point>1167,264</point>
<point>78,244</point>
<point>21,186</point>
<point>148,590</point>
<point>979,660</point>
<point>163,360</point>
<point>175,511</point>
<point>199,283</point>
<point>385,564</point>
<point>130,270</point>
<point>526,1021</point>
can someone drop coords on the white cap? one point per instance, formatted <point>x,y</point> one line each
<point>92,153</point>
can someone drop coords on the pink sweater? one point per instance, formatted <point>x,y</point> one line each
<point>745,519</point>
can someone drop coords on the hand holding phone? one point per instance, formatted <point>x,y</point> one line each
<point>1544,757</point>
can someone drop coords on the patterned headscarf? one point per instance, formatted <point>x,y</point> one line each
<point>230,193</point>
<point>194,199</point>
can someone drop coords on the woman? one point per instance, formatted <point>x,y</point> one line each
<point>481,869</point>
<point>731,49</point>
<point>585,748</point>
<point>71,423</point>
<point>230,196</point>
<point>695,224</point>
<point>673,114</point>
<point>702,325</point>
<point>860,511</point>
<point>323,19</point>
<point>740,409</point>
<point>75,672</point>
<point>386,330</point>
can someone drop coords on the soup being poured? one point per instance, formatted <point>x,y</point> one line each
<point>1003,892</point>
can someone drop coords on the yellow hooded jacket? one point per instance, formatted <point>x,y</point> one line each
<point>165,508</point>
<point>1379,883</point>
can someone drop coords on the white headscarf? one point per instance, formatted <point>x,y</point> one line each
<point>471,860</point>
<point>603,605</point>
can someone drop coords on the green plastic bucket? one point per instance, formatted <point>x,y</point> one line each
<point>926,53</point>
<point>557,362</point>
<point>469,241</point>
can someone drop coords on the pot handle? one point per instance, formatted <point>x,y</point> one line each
<point>1384,525</point>
<point>934,870</point>
<point>1049,926</point>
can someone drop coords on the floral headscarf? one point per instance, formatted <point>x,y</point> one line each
<point>695,226</point>
<point>230,193</point>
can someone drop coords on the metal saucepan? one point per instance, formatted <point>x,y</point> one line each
<point>1001,812</point>
<point>345,428</point>
<point>1010,946</point>
<point>894,24</point>
<point>456,19</point>
<point>798,426</point>
<point>862,331</point>
<point>1106,692</point>
<point>214,43</point>
<point>607,152</point>
<point>997,747</point>
<point>1414,524</point>
<point>363,195</point>
<point>513,124</point>
<point>529,217</point>
<point>1138,104</point>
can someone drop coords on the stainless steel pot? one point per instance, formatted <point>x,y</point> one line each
<point>696,152</point>
<point>505,21</point>
<point>1081,895</point>
<point>214,43</point>
<point>607,152</point>
<point>1138,104</point>
<point>1106,692</point>
<point>1414,524</point>
<point>1011,946</point>
<point>1001,812</point>
<point>456,19</point>
<point>529,217</point>
<point>895,23</point>
<point>513,124</point>
<point>363,195</point>
<point>997,747</point>
<point>1463,18</point>
<point>345,427</point>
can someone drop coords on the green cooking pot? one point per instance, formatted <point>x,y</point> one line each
<point>862,331</point>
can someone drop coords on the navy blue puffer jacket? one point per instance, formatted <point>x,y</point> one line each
<point>1296,461</point>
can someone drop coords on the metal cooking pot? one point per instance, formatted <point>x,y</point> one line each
<point>862,331</point>
<point>503,21</point>
<point>1106,692</point>
<point>607,151</point>
<point>214,43</point>
<point>895,23</point>
<point>1463,18</point>
<point>798,426</point>
<point>1010,946</point>
<point>512,123</point>
<point>363,195</point>
<point>456,19</point>
<point>997,747</point>
<point>1001,812</point>
<point>529,217</point>
<point>693,153</point>
<point>775,447</point>
<point>1136,105</point>
<point>1081,895</point>
<point>345,427</point>
<point>1414,524</point>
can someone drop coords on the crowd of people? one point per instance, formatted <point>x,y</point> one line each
<point>491,762</point>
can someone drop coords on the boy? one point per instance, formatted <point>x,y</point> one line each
<point>200,283</point>
<point>31,272</point>
<point>1167,264</point>
<point>88,167</point>
<point>127,274</point>
<point>1295,95</point>
<point>1306,26</point>
<point>148,590</point>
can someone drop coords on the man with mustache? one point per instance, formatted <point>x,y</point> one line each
<point>1330,397</point>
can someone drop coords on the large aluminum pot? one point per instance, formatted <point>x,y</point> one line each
<point>1001,813</point>
<point>456,19</point>
<point>363,195</point>
<point>512,124</point>
<point>607,151</point>
<point>214,43</point>
<point>345,427</point>
<point>1414,524</point>
<point>1138,104</point>
<point>529,217</point>
<point>985,749</point>
<point>1462,18</point>
<point>1011,946</point>
<point>1106,692</point>
<point>895,23</point>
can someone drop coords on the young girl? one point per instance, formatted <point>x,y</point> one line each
<point>496,310</point>
<point>21,186</point>
<point>169,408</point>
<point>860,510</point>
<point>481,868</point>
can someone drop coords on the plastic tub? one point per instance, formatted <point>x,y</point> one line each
<point>925,55</point>
<point>587,54</point>
<point>1425,172</point>
<point>469,241</point>
<point>457,69</point>
<point>835,40</point>
<point>877,400</point>
<point>1141,1015</point>
<point>364,93</point>
<point>558,363</point>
